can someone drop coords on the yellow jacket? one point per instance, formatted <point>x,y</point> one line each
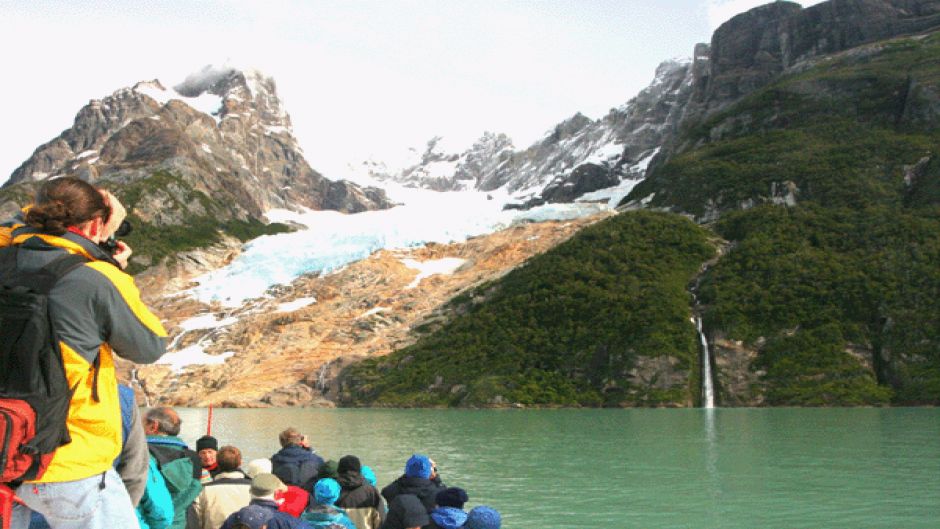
<point>96,311</point>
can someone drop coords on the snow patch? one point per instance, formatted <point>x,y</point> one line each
<point>613,195</point>
<point>297,304</point>
<point>606,153</point>
<point>86,154</point>
<point>155,92</point>
<point>276,129</point>
<point>374,311</point>
<point>206,148</point>
<point>206,321</point>
<point>445,266</point>
<point>193,355</point>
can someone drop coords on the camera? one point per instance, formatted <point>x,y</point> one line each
<point>111,245</point>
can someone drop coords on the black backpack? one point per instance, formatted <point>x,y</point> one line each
<point>34,391</point>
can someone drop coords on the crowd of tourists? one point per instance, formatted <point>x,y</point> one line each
<point>210,487</point>
<point>76,453</point>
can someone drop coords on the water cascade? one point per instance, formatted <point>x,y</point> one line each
<point>135,382</point>
<point>708,389</point>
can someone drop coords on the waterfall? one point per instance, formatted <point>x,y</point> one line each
<point>708,389</point>
<point>136,382</point>
<point>322,376</point>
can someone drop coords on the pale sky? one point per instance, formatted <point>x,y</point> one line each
<point>360,78</point>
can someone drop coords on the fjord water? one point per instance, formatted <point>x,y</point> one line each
<point>660,468</point>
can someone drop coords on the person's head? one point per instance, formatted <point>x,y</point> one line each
<point>251,517</point>
<point>293,437</point>
<point>326,491</point>
<point>368,474</point>
<point>162,421</point>
<point>349,464</point>
<point>230,458</point>
<point>454,497</point>
<point>68,202</point>
<point>207,447</point>
<point>483,517</point>
<point>263,487</point>
<point>418,466</point>
<point>329,469</point>
<point>258,466</point>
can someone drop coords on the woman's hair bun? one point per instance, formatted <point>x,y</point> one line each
<point>50,217</point>
<point>65,202</point>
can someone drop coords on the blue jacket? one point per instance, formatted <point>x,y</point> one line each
<point>296,465</point>
<point>448,518</point>
<point>278,520</point>
<point>327,516</point>
<point>155,510</point>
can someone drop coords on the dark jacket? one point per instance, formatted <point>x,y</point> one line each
<point>296,465</point>
<point>446,518</point>
<point>362,501</point>
<point>404,512</point>
<point>278,520</point>
<point>424,489</point>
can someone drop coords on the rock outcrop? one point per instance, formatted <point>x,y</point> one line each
<point>753,48</point>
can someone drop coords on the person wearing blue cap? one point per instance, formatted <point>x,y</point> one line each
<point>483,517</point>
<point>419,479</point>
<point>449,511</point>
<point>324,514</point>
<point>369,475</point>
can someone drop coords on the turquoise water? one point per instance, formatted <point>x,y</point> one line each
<point>579,469</point>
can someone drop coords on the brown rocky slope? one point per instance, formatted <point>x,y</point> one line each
<point>289,357</point>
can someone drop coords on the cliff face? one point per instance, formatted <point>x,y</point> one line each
<point>753,48</point>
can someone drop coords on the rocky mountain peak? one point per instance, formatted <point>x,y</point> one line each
<point>242,91</point>
<point>221,135</point>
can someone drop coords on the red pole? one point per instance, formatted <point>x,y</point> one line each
<point>209,426</point>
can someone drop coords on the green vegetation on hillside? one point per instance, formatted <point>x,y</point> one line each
<point>200,220</point>
<point>816,282</point>
<point>843,132</point>
<point>840,295</point>
<point>591,322</point>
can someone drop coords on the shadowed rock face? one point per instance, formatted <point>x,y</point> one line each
<point>751,49</point>
<point>245,153</point>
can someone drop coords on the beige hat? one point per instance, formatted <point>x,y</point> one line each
<point>264,485</point>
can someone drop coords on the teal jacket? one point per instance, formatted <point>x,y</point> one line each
<point>181,470</point>
<point>155,510</point>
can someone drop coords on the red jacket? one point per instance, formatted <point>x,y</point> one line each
<point>293,501</point>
